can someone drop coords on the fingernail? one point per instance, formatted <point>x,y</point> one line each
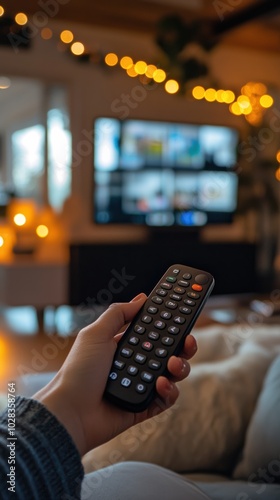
<point>138,297</point>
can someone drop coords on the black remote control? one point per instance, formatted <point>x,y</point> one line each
<point>157,332</point>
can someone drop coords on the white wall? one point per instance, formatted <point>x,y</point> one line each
<point>95,91</point>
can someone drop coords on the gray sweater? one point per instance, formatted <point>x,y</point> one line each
<point>42,462</point>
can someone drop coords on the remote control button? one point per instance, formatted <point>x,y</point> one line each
<point>201,279</point>
<point>173,296</point>
<point>187,276</point>
<point>165,315</point>
<point>193,295</point>
<point>160,325</point>
<point>147,377</point>
<point>141,388</point>
<point>166,286</point>
<point>161,292</point>
<point>197,288</point>
<point>176,271</point>
<point>179,290</point>
<point>174,330</point>
<point>147,346</point>
<point>119,364</point>
<point>185,310</point>
<point>167,341</point>
<point>126,353</point>
<point>132,370</point>
<point>179,320</point>
<point>113,376</point>
<point>133,340</point>
<point>189,302</point>
<point>170,305</point>
<point>152,310</point>
<point>157,300</point>
<point>139,329</point>
<point>161,353</point>
<point>184,283</point>
<point>146,319</point>
<point>140,358</point>
<point>153,335</point>
<point>154,365</point>
<point>171,279</point>
<point>125,382</point>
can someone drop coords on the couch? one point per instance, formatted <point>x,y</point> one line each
<point>221,440</point>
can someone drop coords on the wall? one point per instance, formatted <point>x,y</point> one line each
<point>95,91</point>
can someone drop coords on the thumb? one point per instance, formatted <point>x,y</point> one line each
<point>117,315</point>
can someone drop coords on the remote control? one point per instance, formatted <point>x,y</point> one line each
<point>157,332</point>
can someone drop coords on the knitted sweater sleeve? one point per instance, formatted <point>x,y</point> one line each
<point>40,461</point>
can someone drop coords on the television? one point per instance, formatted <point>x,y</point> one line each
<point>164,174</point>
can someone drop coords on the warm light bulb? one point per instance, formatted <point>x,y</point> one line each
<point>77,48</point>
<point>278,156</point>
<point>277,174</point>
<point>2,241</point>
<point>140,67</point>
<point>235,109</point>
<point>19,219</point>
<point>42,231</point>
<point>159,76</point>
<point>131,72</point>
<point>1,10</point>
<point>151,68</point>
<point>266,101</point>
<point>111,59</point>
<point>21,18</point>
<point>198,92</point>
<point>219,95</point>
<point>228,96</point>
<point>210,95</point>
<point>126,62</point>
<point>66,36</point>
<point>171,86</point>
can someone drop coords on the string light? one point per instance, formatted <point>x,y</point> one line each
<point>2,241</point>
<point>140,67</point>
<point>66,36</point>
<point>250,103</point>
<point>126,62</point>
<point>277,174</point>
<point>77,48</point>
<point>111,59</point>
<point>159,76</point>
<point>19,220</point>
<point>21,18</point>
<point>42,231</point>
<point>171,86</point>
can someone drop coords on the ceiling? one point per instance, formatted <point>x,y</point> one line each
<point>142,16</point>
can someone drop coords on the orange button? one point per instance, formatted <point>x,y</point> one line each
<point>197,288</point>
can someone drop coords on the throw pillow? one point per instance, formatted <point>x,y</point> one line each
<point>261,456</point>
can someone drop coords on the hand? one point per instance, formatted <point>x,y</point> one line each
<point>75,395</point>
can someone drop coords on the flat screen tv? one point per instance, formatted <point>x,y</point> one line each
<point>164,173</point>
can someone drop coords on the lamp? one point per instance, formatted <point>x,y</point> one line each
<point>21,214</point>
<point>7,241</point>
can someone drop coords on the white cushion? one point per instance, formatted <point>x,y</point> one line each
<point>206,427</point>
<point>262,446</point>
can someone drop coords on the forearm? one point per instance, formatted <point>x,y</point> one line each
<point>47,463</point>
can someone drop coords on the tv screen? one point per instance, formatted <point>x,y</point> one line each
<point>163,173</point>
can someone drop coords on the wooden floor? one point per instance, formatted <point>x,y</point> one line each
<point>31,346</point>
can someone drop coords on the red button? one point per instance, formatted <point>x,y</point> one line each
<point>197,288</point>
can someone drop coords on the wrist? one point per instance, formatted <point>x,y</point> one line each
<point>54,398</point>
